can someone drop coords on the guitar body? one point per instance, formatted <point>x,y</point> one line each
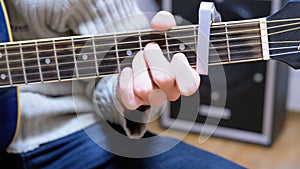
<point>9,97</point>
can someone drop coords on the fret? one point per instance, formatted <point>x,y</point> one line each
<point>106,55</point>
<point>38,60</point>
<point>183,41</point>
<point>167,47</point>
<point>128,47</point>
<point>140,41</point>
<point>227,42</point>
<point>56,60</point>
<point>195,30</point>
<point>117,53</point>
<point>15,64</point>
<point>85,57</point>
<point>47,60</point>
<point>8,67</point>
<point>75,60</point>
<point>30,61</point>
<point>5,77</point>
<point>23,64</point>
<point>65,59</point>
<point>218,49</point>
<point>95,55</point>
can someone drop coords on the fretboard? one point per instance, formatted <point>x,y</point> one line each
<point>80,57</point>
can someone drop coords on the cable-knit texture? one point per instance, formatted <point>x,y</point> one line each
<point>51,111</point>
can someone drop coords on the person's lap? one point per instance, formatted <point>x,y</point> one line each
<point>80,151</point>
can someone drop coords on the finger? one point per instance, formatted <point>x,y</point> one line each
<point>161,71</point>
<point>157,98</point>
<point>163,21</point>
<point>187,79</point>
<point>142,84</point>
<point>126,92</point>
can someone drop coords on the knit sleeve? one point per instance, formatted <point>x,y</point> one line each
<point>32,19</point>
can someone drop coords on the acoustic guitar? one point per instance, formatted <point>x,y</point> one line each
<point>93,56</point>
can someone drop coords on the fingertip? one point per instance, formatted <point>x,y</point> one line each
<point>151,46</point>
<point>180,57</point>
<point>163,21</point>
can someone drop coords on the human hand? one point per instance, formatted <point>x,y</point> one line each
<point>152,79</point>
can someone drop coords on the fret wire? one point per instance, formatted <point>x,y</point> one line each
<point>140,41</point>
<point>117,53</point>
<point>167,46</point>
<point>95,55</point>
<point>240,45</point>
<point>195,38</point>
<point>8,67</point>
<point>235,23</point>
<point>23,64</point>
<point>284,25</point>
<point>227,42</point>
<point>38,59</point>
<point>56,60</point>
<point>283,31</point>
<point>75,60</point>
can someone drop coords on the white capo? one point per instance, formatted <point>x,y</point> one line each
<point>207,15</point>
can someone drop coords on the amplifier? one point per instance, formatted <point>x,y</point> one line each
<point>255,104</point>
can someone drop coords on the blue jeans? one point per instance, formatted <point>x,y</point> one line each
<point>78,151</point>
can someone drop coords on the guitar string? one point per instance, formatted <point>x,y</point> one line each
<point>126,57</point>
<point>110,72</point>
<point>133,49</point>
<point>220,54</point>
<point>178,29</point>
<point>122,57</point>
<point>94,67</point>
<point>30,74</point>
<point>122,50</point>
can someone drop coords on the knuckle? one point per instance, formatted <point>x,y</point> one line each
<point>164,80</point>
<point>141,90</point>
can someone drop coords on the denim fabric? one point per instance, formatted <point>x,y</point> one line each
<point>78,151</point>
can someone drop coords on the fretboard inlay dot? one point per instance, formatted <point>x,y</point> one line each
<point>129,53</point>
<point>3,76</point>
<point>85,57</point>
<point>181,47</point>
<point>47,61</point>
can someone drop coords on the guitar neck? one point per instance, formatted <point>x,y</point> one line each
<point>81,57</point>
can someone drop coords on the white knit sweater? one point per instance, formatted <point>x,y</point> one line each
<point>51,111</point>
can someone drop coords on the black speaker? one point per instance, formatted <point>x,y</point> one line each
<point>255,104</point>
